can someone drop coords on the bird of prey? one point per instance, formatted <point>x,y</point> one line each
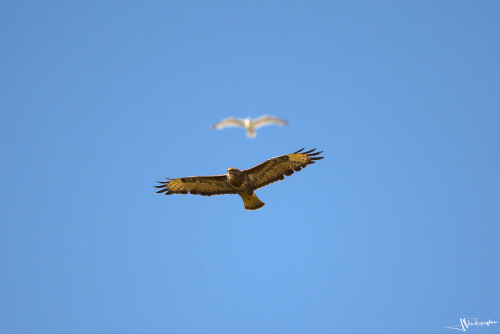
<point>242,182</point>
<point>249,124</point>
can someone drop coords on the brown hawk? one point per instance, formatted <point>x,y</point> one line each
<point>242,182</point>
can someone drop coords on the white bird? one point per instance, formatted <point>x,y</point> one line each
<point>249,124</point>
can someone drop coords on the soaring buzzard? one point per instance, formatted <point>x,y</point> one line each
<point>249,124</point>
<point>242,182</point>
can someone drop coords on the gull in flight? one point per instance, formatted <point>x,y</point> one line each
<point>249,124</point>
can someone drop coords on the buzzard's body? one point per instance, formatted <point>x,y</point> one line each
<point>249,124</point>
<point>243,183</point>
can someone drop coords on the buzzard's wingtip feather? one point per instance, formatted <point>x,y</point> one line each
<point>299,150</point>
<point>163,185</point>
<point>313,154</point>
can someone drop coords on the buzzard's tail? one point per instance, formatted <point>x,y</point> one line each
<point>252,202</point>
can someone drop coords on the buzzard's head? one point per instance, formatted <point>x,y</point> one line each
<point>233,171</point>
<point>234,174</point>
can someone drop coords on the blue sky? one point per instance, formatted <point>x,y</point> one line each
<point>396,230</point>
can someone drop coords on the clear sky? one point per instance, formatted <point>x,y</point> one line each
<point>396,230</point>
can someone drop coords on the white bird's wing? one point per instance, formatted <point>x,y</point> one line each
<point>268,120</point>
<point>232,121</point>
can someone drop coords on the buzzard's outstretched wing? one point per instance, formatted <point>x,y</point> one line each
<point>232,121</point>
<point>268,120</point>
<point>197,185</point>
<point>275,169</point>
